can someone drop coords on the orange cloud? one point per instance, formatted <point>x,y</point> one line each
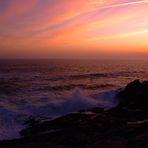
<point>34,26</point>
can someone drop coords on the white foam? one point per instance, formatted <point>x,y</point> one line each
<point>10,123</point>
<point>11,120</point>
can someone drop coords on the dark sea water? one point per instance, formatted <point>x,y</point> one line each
<point>51,88</point>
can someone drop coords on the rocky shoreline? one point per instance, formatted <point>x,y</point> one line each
<point>125,126</point>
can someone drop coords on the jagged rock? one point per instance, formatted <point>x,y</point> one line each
<point>135,95</point>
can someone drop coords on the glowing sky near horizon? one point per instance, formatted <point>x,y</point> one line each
<point>73,27</point>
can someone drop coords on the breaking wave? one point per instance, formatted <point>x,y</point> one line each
<point>12,118</point>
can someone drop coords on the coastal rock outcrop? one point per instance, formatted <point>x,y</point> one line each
<point>135,95</point>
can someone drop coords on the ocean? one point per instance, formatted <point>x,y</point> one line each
<point>51,88</point>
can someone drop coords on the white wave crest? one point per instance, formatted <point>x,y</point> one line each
<point>11,120</point>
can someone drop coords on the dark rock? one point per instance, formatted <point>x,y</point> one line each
<point>135,95</point>
<point>96,110</point>
<point>65,122</point>
<point>32,122</point>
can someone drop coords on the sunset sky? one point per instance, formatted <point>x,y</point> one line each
<point>55,28</point>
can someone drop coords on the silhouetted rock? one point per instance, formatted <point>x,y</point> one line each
<point>32,122</point>
<point>135,95</point>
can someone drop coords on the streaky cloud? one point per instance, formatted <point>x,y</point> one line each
<point>124,4</point>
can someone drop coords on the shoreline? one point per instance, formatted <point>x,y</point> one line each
<point>124,126</point>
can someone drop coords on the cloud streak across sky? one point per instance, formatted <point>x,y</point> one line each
<point>63,27</point>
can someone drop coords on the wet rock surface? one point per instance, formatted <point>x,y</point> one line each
<point>125,126</point>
